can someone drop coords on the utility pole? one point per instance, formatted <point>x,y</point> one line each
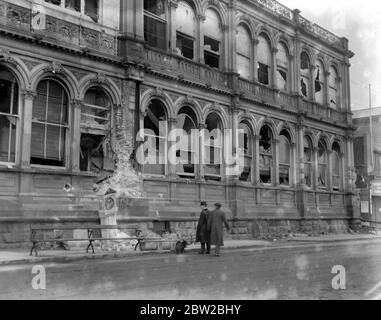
<point>371,167</point>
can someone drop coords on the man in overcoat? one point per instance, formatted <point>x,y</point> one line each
<point>215,226</point>
<point>202,234</point>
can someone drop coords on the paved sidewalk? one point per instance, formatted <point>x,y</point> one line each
<point>21,256</point>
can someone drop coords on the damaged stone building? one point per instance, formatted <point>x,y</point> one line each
<point>79,79</point>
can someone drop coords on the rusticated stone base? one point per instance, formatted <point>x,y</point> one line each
<point>13,235</point>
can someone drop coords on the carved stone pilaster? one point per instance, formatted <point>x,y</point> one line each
<point>29,94</point>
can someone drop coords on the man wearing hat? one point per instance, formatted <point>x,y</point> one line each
<point>215,227</point>
<point>202,234</point>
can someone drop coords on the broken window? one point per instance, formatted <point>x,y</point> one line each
<point>319,83</point>
<point>155,138</point>
<point>212,39</point>
<point>284,158</point>
<point>96,154</point>
<point>213,147</point>
<point>308,160</point>
<point>185,30</point>
<point>264,60</point>
<point>246,150</point>
<point>155,23</point>
<point>265,155</point>
<point>333,88</point>
<point>336,167</point>
<point>49,124</point>
<point>322,164</point>
<point>9,93</point>
<point>282,67</point>
<point>243,52</point>
<point>187,146</point>
<point>305,75</point>
<point>89,8</point>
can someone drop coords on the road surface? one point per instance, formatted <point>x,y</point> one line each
<point>294,272</point>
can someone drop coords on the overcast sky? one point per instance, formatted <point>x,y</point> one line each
<point>360,22</point>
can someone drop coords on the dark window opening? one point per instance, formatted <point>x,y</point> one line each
<point>263,73</point>
<point>185,46</point>
<point>91,9</point>
<point>155,7</point>
<point>154,32</point>
<point>73,4</point>
<point>303,88</point>
<point>211,52</point>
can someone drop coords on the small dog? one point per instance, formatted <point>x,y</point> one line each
<point>180,247</point>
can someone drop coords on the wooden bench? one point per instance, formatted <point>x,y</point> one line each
<point>90,238</point>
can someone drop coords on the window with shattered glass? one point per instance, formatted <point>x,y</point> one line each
<point>213,142</point>
<point>308,161</point>
<point>96,149</point>
<point>212,39</point>
<point>322,164</point>
<point>243,52</point>
<point>155,138</point>
<point>264,60</point>
<point>155,23</point>
<point>284,159</point>
<point>187,145</point>
<point>319,83</point>
<point>185,30</point>
<point>333,88</point>
<point>305,74</point>
<point>265,155</point>
<point>246,151</point>
<point>9,93</point>
<point>282,67</point>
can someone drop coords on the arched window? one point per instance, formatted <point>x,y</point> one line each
<point>282,59</point>
<point>305,75</point>
<point>155,23</point>
<point>188,145</point>
<point>322,164</point>
<point>265,155</point>
<point>319,83</point>
<point>49,124</point>
<point>308,161</point>
<point>213,142</point>
<point>243,52</point>
<point>155,138</point>
<point>336,167</point>
<point>245,143</point>
<point>212,39</point>
<point>96,154</point>
<point>9,108</point>
<point>285,158</point>
<point>264,60</point>
<point>334,98</point>
<point>185,30</point>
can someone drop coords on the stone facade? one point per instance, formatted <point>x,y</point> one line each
<point>116,67</point>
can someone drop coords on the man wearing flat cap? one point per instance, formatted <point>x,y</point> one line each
<point>202,234</point>
<point>215,227</point>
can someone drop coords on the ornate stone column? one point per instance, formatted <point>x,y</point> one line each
<point>76,135</point>
<point>26,125</point>
<point>172,6</point>
<point>201,20</point>
<point>273,83</point>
